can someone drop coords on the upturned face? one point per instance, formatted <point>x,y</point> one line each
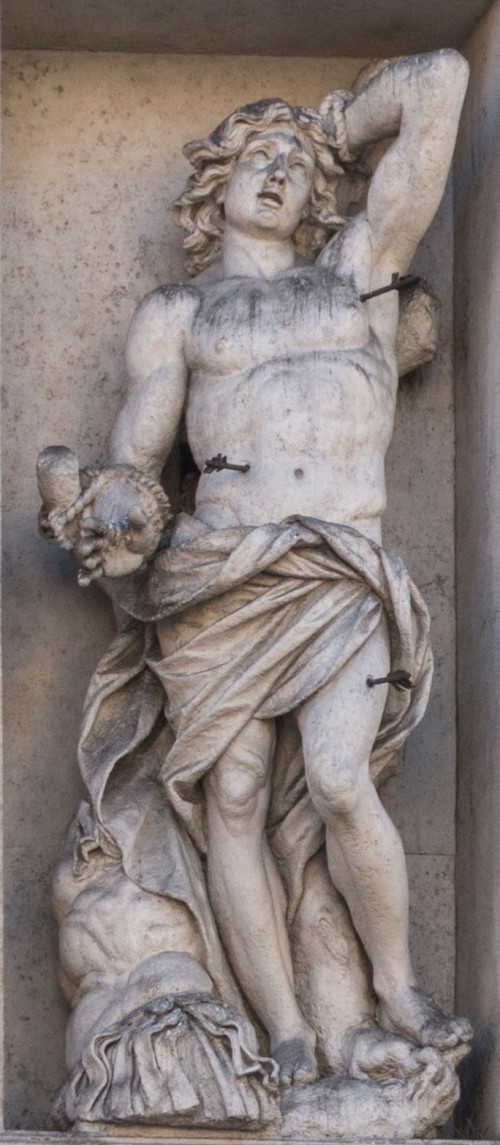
<point>270,184</point>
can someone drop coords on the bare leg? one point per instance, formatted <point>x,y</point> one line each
<point>245,895</point>
<point>365,855</point>
<point>279,907</point>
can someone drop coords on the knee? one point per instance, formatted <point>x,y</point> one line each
<point>336,787</point>
<point>236,785</point>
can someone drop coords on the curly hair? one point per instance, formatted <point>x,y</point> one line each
<point>199,210</point>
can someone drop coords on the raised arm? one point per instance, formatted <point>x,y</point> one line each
<point>418,100</point>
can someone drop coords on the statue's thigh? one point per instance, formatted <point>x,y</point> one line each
<point>340,722</point>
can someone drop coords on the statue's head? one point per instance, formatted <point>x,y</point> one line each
<point>200,209</point>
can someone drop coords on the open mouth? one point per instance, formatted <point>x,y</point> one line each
<point>271,197</point>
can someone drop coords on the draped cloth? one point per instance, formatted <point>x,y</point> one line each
<point>252,621</point>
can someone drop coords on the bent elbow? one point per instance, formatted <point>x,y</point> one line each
<point>434,99</point>
<point>450,71</point>
<point>455,65</point>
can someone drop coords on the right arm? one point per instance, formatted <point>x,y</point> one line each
<point>142,436</point>
<point>144,431</point>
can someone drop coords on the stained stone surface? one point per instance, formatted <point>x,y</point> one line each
<point>477,286</point>
<point>268,27</point>
<point>90,160</point>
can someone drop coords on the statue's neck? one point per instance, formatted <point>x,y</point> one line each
<point>248,256</point>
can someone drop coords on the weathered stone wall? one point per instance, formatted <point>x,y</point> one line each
<point>477,288</point>
<point>92,161</point>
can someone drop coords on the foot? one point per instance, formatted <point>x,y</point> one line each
<point>370,1052</point>
<point>296,1061</point>
<point>414,1014</point>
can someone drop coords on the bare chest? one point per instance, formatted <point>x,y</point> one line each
<point>244,322</point>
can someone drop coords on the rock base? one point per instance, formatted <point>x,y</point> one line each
<point>26,1137</point>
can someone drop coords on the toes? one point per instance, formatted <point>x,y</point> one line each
<point>449,1034</point>
<point>459,1030</point>
<point>303,1075</point>
<point>418,1017</point>
<point>298,1074</point>
<point>441,1039</point>
<point>464,1030</point>
<point>297,1065</point>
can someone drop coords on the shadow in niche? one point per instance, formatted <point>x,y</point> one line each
<point>472,1080</point>
<point>189,476</point>
<point>180,474</point>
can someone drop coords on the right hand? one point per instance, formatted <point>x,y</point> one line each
<point>116,536</point>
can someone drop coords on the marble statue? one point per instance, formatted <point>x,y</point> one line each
<point>232,895</point>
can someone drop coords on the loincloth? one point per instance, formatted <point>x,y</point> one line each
<point>253,621</point>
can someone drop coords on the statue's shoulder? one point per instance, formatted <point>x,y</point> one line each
<point>168,303</point>
<point>161,320</point>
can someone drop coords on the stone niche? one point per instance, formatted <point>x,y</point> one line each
<point>97,104</point>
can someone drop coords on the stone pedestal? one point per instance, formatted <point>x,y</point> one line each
<point>75,1138</point>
